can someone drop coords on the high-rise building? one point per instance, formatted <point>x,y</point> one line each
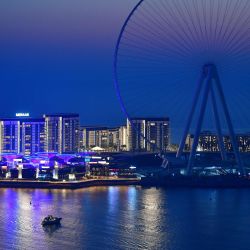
<point>243,142</point>
<point>113,139</point>
<point>103,137</point>
<point>148,134</point>
<point>9,136</point>
<point>208,142</point>
<point>123,138</point>
<point>82,139</point>
<point>22,135</point>
<point>32,136</point>
<point>62,133</point>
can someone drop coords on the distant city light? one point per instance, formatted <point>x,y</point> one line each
<point>103,162</point>
<point>22,114</point>
<point>96,157</point>
<point>45,167</point>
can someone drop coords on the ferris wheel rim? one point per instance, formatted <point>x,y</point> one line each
<point>116,82</point>
<point>125,104</point>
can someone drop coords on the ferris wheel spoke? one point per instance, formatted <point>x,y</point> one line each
<point>197,14</point>
<point>238,22</point>
<point>214,34</point>
<point>240,47</point>
<point>205,22</point>
<point>190,35</point>
<point>211,11</point>
<point>224,18</point>
<point>182,33</point>
<point>238,36</point>
<point>230,17</point>
<point>156,37</point>
<point>195,28</point>
<point>236,40</point>
<point>158,60</point>
<point>149,50</point>
<point>178,37</point>
<point>154,43</point>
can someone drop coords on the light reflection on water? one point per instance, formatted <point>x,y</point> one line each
<point>125,218</point>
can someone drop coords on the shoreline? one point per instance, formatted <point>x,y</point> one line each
<point>169,182</point>
<point>68,184</point>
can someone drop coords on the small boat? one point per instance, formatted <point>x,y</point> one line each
<point>51,220</point>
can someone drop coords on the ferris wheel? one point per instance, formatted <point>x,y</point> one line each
<point>189,60</point>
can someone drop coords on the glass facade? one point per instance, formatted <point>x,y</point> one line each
<point>22,135</point>
<point>32,134</point>
<point>148,134</point>
<point>208,142</point>
<point>103,137</point>
<point>62,133</point>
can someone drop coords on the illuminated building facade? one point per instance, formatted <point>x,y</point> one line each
<point>22,135</point>
<point>9,136</point>
<point>208,142</point>
<point>148,134</point>
<point>243,142</point>
<point>62,133</point>
<point>32,135</point>
<point>103,137</point>
<point>123,138</point>
<point>113,139</point>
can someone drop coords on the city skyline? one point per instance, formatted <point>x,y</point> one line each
<point>63,133</point>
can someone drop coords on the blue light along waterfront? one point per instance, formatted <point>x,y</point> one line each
<point>126,218</point>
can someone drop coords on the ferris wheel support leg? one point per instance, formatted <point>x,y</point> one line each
<point>230,126</point>
<point>199,123</point>
<point>190,117</point>
<point>218,126</point>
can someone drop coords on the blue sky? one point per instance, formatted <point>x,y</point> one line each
<point>57,55</point>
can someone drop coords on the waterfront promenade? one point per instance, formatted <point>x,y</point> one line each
<point>109,181</point>
<point>227,181</point>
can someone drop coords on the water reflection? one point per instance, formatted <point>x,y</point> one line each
<point>50,229</point>
<point>113,199</point>
<point>132,197</point>
<point>125,218</point>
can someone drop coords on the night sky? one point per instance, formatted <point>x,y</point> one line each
<point>57,55</point>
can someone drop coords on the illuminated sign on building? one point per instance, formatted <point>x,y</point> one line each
<point>22,114</point>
